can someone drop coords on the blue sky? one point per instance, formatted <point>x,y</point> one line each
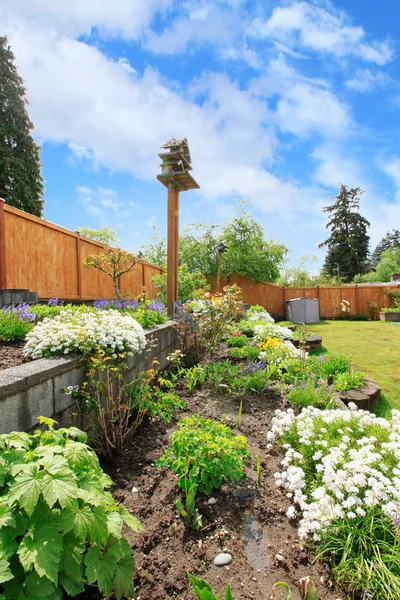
<point>281,101</point>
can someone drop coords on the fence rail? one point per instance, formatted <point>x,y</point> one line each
<point>273,297</point>
<point>43,257</point>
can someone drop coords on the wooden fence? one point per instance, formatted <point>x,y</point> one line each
<point>273,297</point>
<point>46,258</point>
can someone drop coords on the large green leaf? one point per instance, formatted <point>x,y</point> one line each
<point>98,530</point>
<point>72,586</point>
<point>8,545</point>
<point>132,522</point>
<point>5,572</point>
<point>71,561</point>
<point>114,524</point>
<point>41,548</point>
<point>26,488</point>
<point>77,519</point>
<point>124,578</point>
<point>37,587</point>
<point>6,516</point>
<point>101,568</point>
<point>59,486</point>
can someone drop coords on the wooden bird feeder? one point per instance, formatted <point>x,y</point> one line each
<point>175,175</point>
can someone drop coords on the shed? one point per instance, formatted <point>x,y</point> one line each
<point>302,310</point>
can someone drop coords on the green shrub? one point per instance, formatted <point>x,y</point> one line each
<point>342,382</point>
<point>247,327</point>
<point>245,353</point>
<point>255,308</point>
<point>309,395</point>
<point>329,366</point>
<point>204,454</point>
<point>237,341</point>
<point>359,317</point>
<point>60,528</point>
<point>147,317</point>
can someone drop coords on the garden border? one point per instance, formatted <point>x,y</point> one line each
<point>33,389</point>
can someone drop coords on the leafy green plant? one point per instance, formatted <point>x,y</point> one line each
<point>306,587</point>
<point>309,395</point>
<point>147,317</point>
<point>190,284</point>
<point>372,310</point>
<point>237,341</point>
<point>188,511</point>
<point>12,329</point>
<point>342,382</point>
<point>204,453</point>
<point>364,553</point>
<point>204,591</point>
<point>244,353</point>
<point>60,528</point>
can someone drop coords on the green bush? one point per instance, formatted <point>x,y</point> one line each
<point>245,353</point>
<point>342,382</point>
<point>190,284</point>
<point>309,395</point>
<point>146,317</point>
<point>359,317</point>
<point>12,329</point>
<point>204,454</point>
<point>237,341</point>
<point>60,528</point>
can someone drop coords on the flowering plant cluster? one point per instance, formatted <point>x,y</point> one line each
<point>86,331</point>
<point>264,330</point>
<point>338,464</point>
<point>22,311</point>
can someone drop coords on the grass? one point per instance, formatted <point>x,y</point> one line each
<point>374,347</point>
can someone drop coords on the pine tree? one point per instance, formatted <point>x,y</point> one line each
<point>390,240</point>
<point>21,183</point>
<point>348,242</point>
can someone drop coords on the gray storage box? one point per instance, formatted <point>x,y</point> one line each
<point>302,310</point>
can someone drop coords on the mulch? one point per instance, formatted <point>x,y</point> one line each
<point>11,354</point>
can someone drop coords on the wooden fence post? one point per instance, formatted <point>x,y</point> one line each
<point>3,269</point>
<point>79,264</point>
<point>144,291</point>
<point>357,293</point>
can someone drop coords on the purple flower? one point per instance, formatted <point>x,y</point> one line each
<point>321,357</point>
<point>52,302</point>
<point>256,366</point>
<point>157,305</point>
<point>366,594</point>
<point>101,303</point>
<point>133,304</point>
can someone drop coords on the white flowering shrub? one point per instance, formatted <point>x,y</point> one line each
<point>86,331</point>
<point>337,464</point>
<point>264,330</point>
<point>257,317</point>
<point>278,355</point>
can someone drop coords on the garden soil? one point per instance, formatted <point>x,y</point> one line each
<point>11,354</point>
<point>165,552</point>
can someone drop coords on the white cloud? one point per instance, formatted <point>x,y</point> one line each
<point>125,18</point>
<point>305,25</point>
<point>333,169</point>
<point>97,201</point>
<point>365,80</point>
<point>392,168</point>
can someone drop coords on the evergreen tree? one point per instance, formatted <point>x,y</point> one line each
<point>390,240</point>
<point>348,242</point>
<point>21,184</point>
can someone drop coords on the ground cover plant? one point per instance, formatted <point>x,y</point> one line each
<point>60,527</point>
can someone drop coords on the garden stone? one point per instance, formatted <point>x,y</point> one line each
<point>222,559</point>
<point>255,544</point>
<point>212,501</point>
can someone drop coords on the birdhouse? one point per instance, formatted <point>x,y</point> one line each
<point>176,164</point>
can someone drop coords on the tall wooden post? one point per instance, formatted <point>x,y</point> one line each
<point>172,246</point>
<point>79,264</point>
<point>3,270</point>
<point>175,175</point>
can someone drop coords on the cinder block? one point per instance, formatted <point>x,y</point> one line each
<point>74,377</point>
<point>19,412</point>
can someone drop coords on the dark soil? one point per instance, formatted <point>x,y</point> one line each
<point>166,551</point>
<point>11,354</point>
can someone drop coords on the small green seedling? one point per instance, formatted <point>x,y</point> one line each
<point>204,591</point>
<point>306,587</point>
<point>258,468</point>
<point>188,511</point>
<point>239,417</point>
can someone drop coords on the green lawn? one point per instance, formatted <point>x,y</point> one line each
<point>374,347</point>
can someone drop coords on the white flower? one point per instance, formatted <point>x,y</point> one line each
<point>85,331</point>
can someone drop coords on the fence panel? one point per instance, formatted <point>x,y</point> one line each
<point>45,258</point>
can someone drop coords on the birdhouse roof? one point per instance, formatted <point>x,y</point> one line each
<point>178,146</point>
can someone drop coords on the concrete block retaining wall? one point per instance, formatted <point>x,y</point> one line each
<point>33,389</point>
